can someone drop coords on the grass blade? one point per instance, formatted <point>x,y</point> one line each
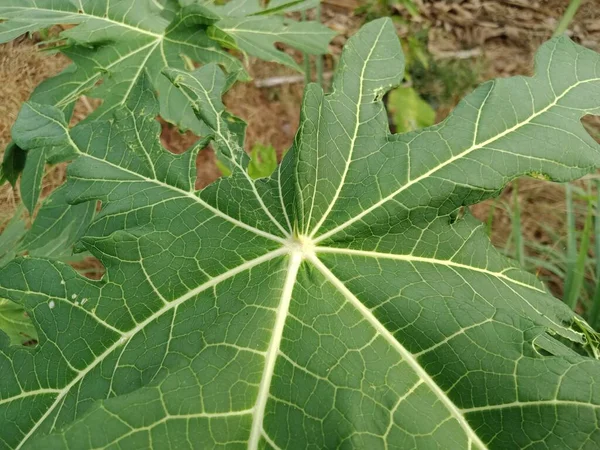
<point>490,218</point>
<point>571,251</point>
<point>567,17</point>
<point>593,317</point>
<point>306,57</point>
<point>577,271</point>
<point>319,57</point>
<point>516,226</point>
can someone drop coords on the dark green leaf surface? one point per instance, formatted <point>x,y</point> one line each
<point>12,234</point>
<point>13,164</point>
<point>33,173</point>
<point>57,226</point>
<point>341,303</point>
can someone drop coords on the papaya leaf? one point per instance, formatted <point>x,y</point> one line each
<point>114,42</point>
<point>341,302</point>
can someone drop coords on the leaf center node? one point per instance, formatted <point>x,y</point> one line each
<point>301,245</point>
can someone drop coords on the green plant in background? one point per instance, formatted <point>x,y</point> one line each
<point>571,255</point>
<point>430,83</point>
<point>263,161</point>
<point>374,9</point>
<point>342,301</point>
<point>516,225</point>
<point>576,259</point>
<point>15,323</point>
<point>408,110</point>
<point>577,264</point>
<point>444,82</point>
<point>567,17</point>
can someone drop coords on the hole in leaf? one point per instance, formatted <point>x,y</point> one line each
<point>84,107</point>
<point>88,266</point>
<point>16,324</point>
<point>592,126</point>
<point>553,344</point>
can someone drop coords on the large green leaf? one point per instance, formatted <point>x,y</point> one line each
<point>116,41</point>
<point>342,302</point>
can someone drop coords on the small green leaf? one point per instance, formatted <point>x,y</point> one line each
<point>223,168</point>
<point>242,8</point>
<point>11,236</point>
<point>37,128</point>
<point>57,226</point>
<point>408,110</point>
<point>410,7</point>
<point>16,324</point>
<point>257,35</point>
<point>40,126</point>
<point>263,161</point>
